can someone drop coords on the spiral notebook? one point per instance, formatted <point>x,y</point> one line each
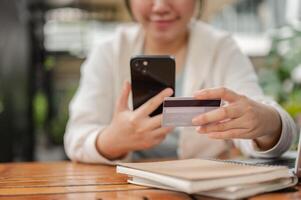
<point>197,175</point>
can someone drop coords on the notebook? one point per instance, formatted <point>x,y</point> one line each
<point>198,175</point>
<point>291,159</point>
<point>231,192</point>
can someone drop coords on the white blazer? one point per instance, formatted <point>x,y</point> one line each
<point>213,60</point>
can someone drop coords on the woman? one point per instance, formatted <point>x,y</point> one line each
<point>103,129</point>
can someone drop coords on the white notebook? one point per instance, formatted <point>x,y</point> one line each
<point>197,176</point>
<point>231,192</point>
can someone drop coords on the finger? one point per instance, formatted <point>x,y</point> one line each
<point>122,102</point>
<point>152,104</point>
<point>152,123</point>
<point>161,132</point>
<point>217,93</point>
<point>217,115</point>
<point>230,134</point>
<point>238,123</point>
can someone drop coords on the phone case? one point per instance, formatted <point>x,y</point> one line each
<point>149,76</point>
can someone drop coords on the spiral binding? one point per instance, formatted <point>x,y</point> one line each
<point>237,162</point>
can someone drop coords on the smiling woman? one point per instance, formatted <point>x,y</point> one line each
<point>103,128</point>
<point>163,21</point>
<point>201,6</point>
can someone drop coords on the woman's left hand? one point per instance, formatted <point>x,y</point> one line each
<point>241,118</point>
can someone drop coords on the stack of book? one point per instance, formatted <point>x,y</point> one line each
<point>209,177</point>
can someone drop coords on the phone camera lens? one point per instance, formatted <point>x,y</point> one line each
<point>136,64</point>
<point>144,70</point>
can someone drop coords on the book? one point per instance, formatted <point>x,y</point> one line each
<point>209,177</point>
<point>230,192</point>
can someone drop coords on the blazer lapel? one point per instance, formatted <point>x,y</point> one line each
<point>128,43</point>
<point>198,68</point>
<point>198,60</point>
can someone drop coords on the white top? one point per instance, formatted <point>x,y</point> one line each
<point>213,60</point>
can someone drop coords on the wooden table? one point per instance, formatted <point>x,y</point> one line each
<point>67,180</point>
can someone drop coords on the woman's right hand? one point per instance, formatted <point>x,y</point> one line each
<point>133,130</point>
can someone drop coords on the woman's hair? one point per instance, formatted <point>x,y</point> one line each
<point>201,4</point>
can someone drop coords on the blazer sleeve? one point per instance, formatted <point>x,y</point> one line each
<point>239,75</point>
<point>91,108</point>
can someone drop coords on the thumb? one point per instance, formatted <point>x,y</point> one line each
<point>122,102</point>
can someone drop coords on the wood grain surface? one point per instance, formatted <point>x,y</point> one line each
<point>69,180</point>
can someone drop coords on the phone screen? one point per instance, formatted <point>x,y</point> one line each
<point>150,75</point>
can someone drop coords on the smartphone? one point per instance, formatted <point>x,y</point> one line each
<point>149,76</point>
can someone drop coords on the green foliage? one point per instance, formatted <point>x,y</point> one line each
<point>280,79</point>
<point>49,63</point>
<point>58,123</point>
<point>55,125</point>
<point>40,107</point>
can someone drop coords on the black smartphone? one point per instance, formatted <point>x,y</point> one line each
<point>150,75</point>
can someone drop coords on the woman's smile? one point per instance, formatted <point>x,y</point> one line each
<point>163,24</point>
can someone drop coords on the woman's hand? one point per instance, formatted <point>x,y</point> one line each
<point>133,130</point>
<point>241,118</point>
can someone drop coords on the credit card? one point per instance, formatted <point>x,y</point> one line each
<point>179,111</point>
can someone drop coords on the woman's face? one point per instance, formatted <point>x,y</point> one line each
<point>164,20</point>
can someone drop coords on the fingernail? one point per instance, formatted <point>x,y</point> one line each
<point>169,91</point>
<point>124,87</point>
<point>199,129</point>
<point>195,121</point>
<point>198,93</point>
